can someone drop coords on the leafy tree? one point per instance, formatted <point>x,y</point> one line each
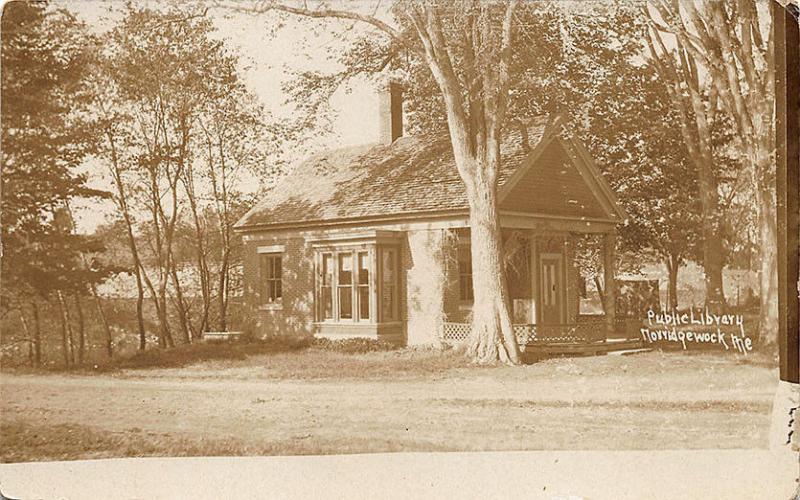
<point>468,48</point>
<point>181,135</point>
<point>44,139</point>
<point>726,46</point>
<point>476,69</point>
<point>644,158</point>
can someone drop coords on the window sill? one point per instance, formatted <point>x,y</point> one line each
<point>270,307</point>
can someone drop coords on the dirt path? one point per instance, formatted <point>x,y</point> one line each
<point>504,410</point>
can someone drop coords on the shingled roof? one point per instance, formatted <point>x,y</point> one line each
<point>413,175</point>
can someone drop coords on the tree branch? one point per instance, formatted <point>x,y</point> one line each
<point>264,7</point>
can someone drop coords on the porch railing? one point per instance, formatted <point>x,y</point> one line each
<point>584,332</point>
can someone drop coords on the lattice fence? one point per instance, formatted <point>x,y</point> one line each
<point>455,333</point>
<point>574,333</point>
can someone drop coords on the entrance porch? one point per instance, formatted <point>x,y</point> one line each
<point>545,285</point>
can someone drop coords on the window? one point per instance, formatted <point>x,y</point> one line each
<point>345,286</point>
<point>271,278</point>
<point>356,283</point>
<point>465,273</point>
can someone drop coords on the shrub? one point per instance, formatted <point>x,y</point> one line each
<point>202,351</point>
<point>353,346</point>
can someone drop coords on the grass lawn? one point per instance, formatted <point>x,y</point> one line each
<point>310,400</point>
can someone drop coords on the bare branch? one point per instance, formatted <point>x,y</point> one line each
<point>305,11</point>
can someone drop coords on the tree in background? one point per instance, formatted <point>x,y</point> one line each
<point>731,43</point>
<point>45,137</point>
<point>182,135</point>
<point>234,140</point>
<point>632,136</point>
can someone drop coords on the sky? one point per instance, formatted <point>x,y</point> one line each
<point>266,64</point>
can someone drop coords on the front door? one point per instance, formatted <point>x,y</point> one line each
<point>551,289</point>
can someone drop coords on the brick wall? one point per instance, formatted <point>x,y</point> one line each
<point>295,315</point>
<point>428,285</point>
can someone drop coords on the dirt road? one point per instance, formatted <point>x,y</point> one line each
<point>500,410</point>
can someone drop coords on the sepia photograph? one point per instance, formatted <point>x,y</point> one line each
<point>400,249</point>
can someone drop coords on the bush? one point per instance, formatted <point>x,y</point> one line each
<point>353,346</point>
<point>202,351</point>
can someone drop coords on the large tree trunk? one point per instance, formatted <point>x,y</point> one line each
<point>768,278</point>
<point>491,313</point>
<point>713,252</point>
<point>37,334</point>
<point>698,114</point>
<point>673,264</point>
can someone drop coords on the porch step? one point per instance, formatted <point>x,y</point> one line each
<point>628,352</point>
<point>617,346</point>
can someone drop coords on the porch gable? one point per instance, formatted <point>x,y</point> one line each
<point>556,180</point>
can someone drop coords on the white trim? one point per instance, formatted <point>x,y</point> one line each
<point>569,218</point>
<point>397,221</point>
<point>271,249</point>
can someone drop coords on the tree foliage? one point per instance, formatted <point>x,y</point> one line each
<point>45,138</point>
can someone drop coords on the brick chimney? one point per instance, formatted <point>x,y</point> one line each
<point>390,109</point>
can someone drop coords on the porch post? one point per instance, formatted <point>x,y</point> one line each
<point>609,260</point>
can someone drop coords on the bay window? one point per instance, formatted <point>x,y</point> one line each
<point>356,283</point>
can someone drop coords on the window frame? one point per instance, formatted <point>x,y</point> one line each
<point>350,255</point>
<point>358,253</point>
<point>266,265</point>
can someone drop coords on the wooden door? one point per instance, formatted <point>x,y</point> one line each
<point>551,290</point>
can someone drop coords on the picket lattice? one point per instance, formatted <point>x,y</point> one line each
<point>527,334</point>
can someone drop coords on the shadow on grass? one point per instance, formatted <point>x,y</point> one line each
<point>198,352</point>
<point>205,351</point>
<point>27,442</point>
